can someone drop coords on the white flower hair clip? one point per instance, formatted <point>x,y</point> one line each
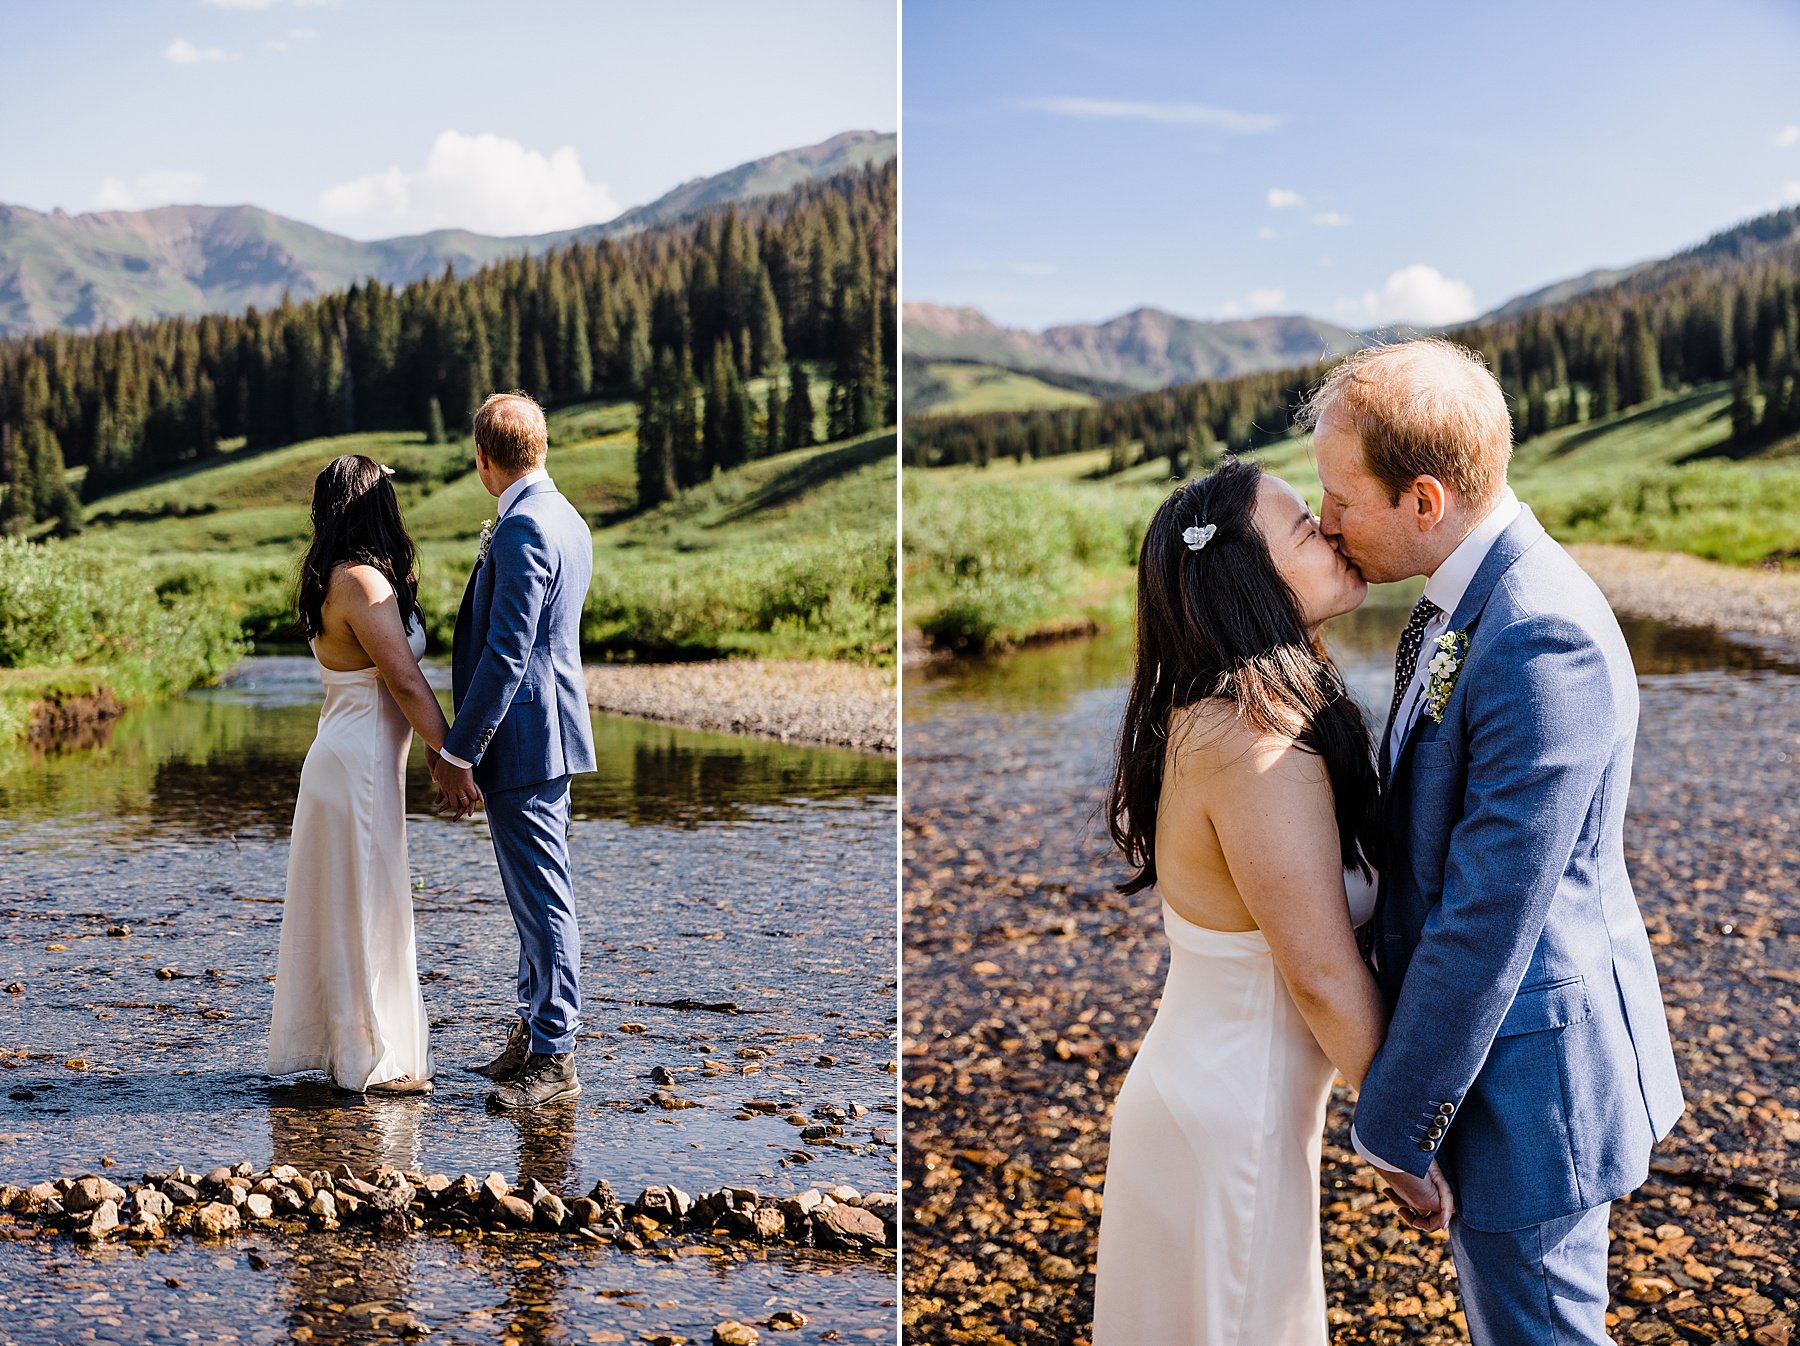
<point>1199,535</point>
<point>386,471</point>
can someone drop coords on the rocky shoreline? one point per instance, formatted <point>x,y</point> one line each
<point>1687,591</point>
<point>795,700</point>
<point>215,1205</point>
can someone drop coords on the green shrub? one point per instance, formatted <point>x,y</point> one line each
<point>63,608</point>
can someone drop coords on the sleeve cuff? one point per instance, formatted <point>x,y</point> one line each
<point>454,760</point>
<point>1381,1164</point>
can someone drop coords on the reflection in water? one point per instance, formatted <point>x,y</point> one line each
<point>314,1126</point>
<point>1051,677</point>
<point>716,867</point>
<point>226,761</point>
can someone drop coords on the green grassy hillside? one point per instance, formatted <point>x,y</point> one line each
<point>943,388</point>
<point>996,555</point>
<point>790,555</point>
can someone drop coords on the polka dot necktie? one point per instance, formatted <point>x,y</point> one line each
<point>1406,661</point>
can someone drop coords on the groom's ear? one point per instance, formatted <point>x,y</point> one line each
<point>1431,502</point>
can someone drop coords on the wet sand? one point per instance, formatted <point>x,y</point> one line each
<point>796,700</point>
<point>1671,587</point>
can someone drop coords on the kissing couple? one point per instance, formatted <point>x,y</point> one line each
<point>347,997</point>
<point>1506,1035</point>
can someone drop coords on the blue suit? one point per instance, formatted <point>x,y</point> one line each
<point>522,720</point>
<point>1528,1051</point>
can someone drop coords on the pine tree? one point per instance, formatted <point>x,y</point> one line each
<point>1606,395</point>
<point>684,434</point>
<point>1744,398</point>
<point>44,471</point>
<point>772,438</point>
<point>797,422</point>
<point>536,370</point>
<point>768,349</point>
<point>736,448</point>
<point>655,432</point>
<point>1644,373</point>
<point>578,356</point>
<point>434,423</point>
<point>19,510</point>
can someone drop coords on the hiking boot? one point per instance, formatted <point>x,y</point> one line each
<point>544,1079</point>
<point>512,1059</point>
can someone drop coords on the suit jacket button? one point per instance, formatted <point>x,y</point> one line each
<point>1428,1145</point>
<point>1447,1109</point>
<point>1435,1132</point>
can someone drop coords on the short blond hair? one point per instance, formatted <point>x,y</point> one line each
<point>1425,408</point>
<point>510,429</point>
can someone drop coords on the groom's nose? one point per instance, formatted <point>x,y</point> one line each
<point>1329,518</point>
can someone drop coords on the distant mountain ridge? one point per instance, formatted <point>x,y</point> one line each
<point>1144,349</point>
<point>1149,348</point>
<point>106,268</point>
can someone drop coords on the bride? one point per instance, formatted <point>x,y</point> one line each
<point>1245,791</point>
<point>347,995</point>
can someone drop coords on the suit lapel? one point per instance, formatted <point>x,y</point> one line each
<point>1518,538</point>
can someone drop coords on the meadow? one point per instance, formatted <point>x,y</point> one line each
<point>787,556</point>
<point>1015,551</point>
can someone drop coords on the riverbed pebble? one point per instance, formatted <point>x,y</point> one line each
<point>227,1199</point>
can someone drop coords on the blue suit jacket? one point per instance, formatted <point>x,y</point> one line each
<point>516,678</point>
<point>1528,1051</point>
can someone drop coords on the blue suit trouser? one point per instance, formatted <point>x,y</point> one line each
<point>530,827</point>
<point>1544,1285</point>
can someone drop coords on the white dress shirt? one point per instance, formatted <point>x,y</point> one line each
<point>1445,588</point>
<point>507,497</point>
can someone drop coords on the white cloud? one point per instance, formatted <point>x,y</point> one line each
<point>166,187</point>
<point>1788,135</point>
<point>1280,198</point>
<point>482,182</point>
<point>1257,301</point>
<point>1331,219</point>
<point>1417,294</point>
<point>1183,114</point>
<point>1790,194</point>
<point>292,36</point>
<point>183,52</point>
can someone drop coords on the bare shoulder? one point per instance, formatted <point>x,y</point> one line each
<point>1210,738</point>
<point>359,584</point>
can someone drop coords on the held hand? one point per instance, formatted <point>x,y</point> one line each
<point>456,784</point>
<point>1424,1202</point>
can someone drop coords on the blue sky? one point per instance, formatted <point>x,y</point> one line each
<point>1361,163</point>
<point>382,117</point>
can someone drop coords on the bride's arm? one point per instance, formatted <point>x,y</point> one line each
<point>1276,826</point>
<point>373,612</point>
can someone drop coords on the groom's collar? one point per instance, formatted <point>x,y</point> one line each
<point>1451,580</point>
<point>1517,538</point>
<point>518,488</point>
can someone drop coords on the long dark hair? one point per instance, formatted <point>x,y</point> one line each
<point>1222,623</point>
<point>355,519</point>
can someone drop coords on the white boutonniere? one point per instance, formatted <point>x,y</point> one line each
<point>487,536</point>
<point>1443,671</point>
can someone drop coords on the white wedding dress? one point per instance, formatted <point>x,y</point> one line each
<point>1209,1226</point>
<point>347,997</point>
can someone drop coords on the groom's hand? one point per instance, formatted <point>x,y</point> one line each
<point>1425,1203</point>
<point>456,784</point>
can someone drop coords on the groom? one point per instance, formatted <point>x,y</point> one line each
<point>1528,1052</point>
<point>522,732</point>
